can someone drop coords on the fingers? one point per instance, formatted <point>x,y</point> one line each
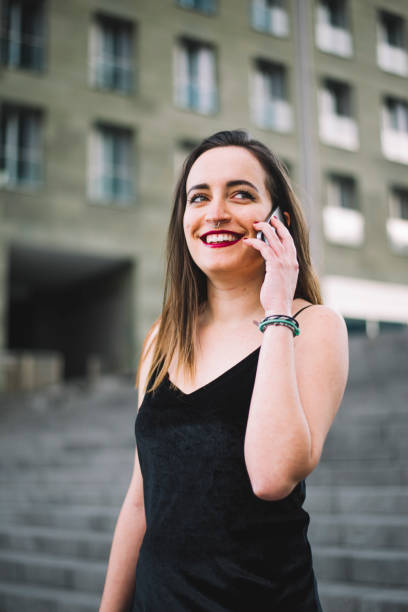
<point>277,235</point>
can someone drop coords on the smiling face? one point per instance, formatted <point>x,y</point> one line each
<point>226,185</point>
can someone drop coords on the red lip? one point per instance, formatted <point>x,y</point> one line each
<point>218,245</point>
<point>219,231</point>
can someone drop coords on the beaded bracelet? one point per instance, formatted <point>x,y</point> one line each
<point>285,320</point>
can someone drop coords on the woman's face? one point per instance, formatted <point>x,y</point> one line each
<point>225,186</point>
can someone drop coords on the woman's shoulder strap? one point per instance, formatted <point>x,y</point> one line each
<point>299,311</point>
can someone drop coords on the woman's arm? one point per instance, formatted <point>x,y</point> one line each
<point>299,382</point>
<point>298,389</point>
<point>127,539</point>
<point>130,529</point>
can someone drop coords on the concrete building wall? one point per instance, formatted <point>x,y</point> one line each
<point>59,215</point>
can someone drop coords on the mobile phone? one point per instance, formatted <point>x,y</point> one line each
<point>276,212</point>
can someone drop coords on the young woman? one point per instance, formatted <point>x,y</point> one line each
<point>239,382</point>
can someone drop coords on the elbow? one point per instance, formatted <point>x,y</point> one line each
<point>272,491</point>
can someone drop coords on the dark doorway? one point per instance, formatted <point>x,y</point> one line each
<point>77,304</point>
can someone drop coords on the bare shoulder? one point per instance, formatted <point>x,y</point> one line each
<point>145,362</point>
<point>323,329</point>
<point>320,313</point>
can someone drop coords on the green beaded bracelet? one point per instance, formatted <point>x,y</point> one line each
<point>280,320</point>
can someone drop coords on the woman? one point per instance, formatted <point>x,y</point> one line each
<point>232,415</point>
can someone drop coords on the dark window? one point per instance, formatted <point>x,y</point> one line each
<point>336,12</point>
<point>22,34</point>
<point>345,187</point>
<point>112,162</point>
<point>392,29</point>
<point>204,6</point>
<point>341,97</point>
<point>20,146</point>
<point>400,203</point>
<point>111,54</point>
<point>397,112</point>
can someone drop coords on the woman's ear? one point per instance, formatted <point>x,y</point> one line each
<point>287,217</point>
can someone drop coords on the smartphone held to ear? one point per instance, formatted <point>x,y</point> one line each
<point>276,212</point>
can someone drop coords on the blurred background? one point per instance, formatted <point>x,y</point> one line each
<point>99,104</point>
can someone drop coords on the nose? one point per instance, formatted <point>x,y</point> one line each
<point>217,210</point>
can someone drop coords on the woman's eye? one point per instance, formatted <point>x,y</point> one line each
<point>246,195</point>
<point>193,198</point>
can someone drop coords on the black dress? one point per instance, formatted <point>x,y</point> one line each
<point>210,544</point>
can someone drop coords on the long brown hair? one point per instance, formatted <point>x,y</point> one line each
<point>185,291</point>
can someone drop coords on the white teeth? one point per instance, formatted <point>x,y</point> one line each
<point>220,238</point>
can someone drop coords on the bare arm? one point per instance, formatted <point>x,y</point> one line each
<point>129,532</point>
<point>298,389</point>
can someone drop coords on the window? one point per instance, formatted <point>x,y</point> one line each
<point>399,203</point>
<point>394,134</point>
<point>391,46</point>
<point>332,28</point>
<point>342,192</point>
<point>110,164</point>
<point>336,123</point>
<point>397,223</point>
<point>20,147</point>
<point>195,77</point>
<point>111,65</point>
<point>343,222</point>
<point>270,16</point>
<point>204,6</point>
<point>396,115</point>
<point>22,35</point>
<point>270,108</point>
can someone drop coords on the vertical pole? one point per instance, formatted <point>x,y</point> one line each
<point>306,119</point>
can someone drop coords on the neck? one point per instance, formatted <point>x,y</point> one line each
<point>230,302</point>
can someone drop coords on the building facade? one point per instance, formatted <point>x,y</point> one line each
<point>100,102</point>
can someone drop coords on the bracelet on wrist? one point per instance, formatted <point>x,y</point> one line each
<point>284,320</point>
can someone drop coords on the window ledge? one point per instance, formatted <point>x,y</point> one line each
<point>392,59</point>
<point>397,232</point>
<point>334,40</point>
<point>395,145</point>
<point>339,131</point>
<point>343,225</point>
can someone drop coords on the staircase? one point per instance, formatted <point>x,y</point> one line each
<point>358,496</point>
<point>66,460</point>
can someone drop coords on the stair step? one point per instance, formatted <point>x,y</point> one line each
<point>353,473</point>
<point>347,597</point>
<point>57,493</point>
<point>374,441</point>
<point>369,566</point>
<point>341,498</point>
<point>50,570</point>
<point>16,597</point>
<point>62,542</point>
<point>91,518</point>
<point>359,530</point>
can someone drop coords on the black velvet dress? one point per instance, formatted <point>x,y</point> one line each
<point>210,544</point>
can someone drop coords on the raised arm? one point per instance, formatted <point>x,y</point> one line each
<point>298,389</point>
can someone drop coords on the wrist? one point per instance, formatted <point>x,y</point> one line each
<point>283,309</point>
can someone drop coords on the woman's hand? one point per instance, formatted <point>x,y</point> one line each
<point>281,266</point>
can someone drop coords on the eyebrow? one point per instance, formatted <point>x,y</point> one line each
<point>229,184</point>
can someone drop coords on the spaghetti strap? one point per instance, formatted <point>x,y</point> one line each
<point>308,306</point>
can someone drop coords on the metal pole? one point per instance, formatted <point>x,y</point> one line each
<point>306,119</point>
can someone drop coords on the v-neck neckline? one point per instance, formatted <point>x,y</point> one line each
<point>214,381</point>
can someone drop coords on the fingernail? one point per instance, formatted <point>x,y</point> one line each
<point>275,217</point>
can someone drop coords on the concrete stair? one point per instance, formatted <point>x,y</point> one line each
<point>358,496</point>
<point>66,460</point>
